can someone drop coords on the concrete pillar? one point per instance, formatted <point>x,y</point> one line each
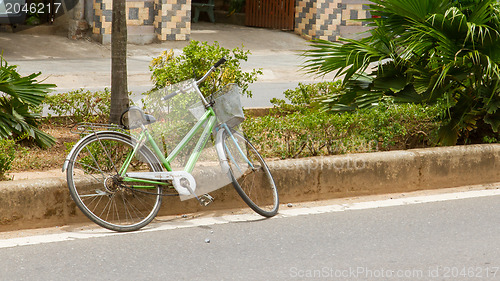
<point>328,19</point>
<point>77,25</point>
<point>101,27</point>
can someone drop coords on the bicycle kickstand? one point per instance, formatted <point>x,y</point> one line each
<point>205,199</point>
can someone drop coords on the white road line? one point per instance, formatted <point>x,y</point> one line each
<point>285,212</point>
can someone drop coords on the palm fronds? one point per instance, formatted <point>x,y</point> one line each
<point>19,96</point>
<point>421,51</point>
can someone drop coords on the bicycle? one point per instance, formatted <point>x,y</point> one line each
<point>118,178</point>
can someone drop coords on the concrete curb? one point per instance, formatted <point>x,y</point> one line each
<point>46,202</point>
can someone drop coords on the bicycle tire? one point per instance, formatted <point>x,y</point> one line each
<point>95,186</point>
<point>254,183</point>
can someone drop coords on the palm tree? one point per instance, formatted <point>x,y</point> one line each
<point>119,92</point>
<point>422,51</point>
<point>18,97</point>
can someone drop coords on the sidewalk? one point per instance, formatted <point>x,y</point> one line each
<point>74,64</point>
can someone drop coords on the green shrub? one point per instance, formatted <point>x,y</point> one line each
<point>195,60</point>
<point>299,125</point>
<point>312,132</point>
<point>81,105</point>
<point>306,96</point>
<point>7,154</point>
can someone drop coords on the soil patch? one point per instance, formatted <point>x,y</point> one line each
<point>34,162</point>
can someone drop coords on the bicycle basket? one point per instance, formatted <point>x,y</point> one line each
<point>227,105</point>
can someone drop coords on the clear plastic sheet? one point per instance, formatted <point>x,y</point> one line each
<point>173,119</point>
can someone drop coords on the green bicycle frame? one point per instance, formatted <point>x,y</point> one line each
<point>208,118</point>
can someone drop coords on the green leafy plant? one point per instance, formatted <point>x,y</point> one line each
<point>195,60</point>
<point>22,96</point>
<point>80,105</point>
<point>7,155</point>
<point>424,51</point>
<point>306,96</point>
<point>312,132</point>
<point>298,126</point>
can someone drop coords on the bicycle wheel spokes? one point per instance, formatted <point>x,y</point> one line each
<point>251,176</point>
<point>98,189</point>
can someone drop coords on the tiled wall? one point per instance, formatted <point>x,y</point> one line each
<point>172,19</point>
<point>168,19</point>
<point>323,19</point>
<point>102,17</point>
<point>140,12</point>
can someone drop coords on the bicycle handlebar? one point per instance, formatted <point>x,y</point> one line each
<point>198,82</point>
<point>221,61</point>
<point>217,64</point>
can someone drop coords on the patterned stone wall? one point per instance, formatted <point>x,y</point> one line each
<point>172,19</point>
<point>323,19</point>
<point>305,17</point>
<point>140,12</point>
<point>167,19</point>
<point>102,17</point>
<point>353,10</point>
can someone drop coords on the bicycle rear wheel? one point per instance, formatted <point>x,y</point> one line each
<point>250,175</point>
<point>98,190</point>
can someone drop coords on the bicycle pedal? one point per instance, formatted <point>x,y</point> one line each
<point>205,199</point>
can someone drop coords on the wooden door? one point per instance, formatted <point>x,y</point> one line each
<point>277,14</point>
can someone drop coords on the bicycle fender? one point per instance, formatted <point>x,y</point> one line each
<point>219,147</point>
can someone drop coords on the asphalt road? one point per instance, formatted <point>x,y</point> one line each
<point>449,240</point>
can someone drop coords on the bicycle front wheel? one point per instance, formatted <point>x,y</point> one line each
<point>250,175</point>
<point>98,190</point>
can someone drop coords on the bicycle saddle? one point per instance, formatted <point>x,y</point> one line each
<point>133,117</point>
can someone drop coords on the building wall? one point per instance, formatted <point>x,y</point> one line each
<point>102,17</point>
<point>147,20</point>
<point>140,12</point>
<point>153,20</point>
<point>172,19</point>
<point>327,19</point>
